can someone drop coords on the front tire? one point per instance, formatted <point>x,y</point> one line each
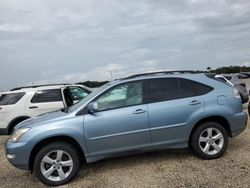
<point>56,164</point>
<point>209,140</point>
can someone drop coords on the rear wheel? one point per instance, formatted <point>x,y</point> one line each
<point>56,164</point>
<point>209,140</point>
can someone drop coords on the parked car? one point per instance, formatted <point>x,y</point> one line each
<point>246,74</point>
<point>22,103</point>
<point>241,75</point>
<point>135,114</point>
<point>238,84</point>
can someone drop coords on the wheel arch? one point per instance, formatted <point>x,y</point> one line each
<point>46,141</point>
<point>15,121</point>
<point>218,119</point>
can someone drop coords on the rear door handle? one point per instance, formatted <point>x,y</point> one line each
<point>195,102</point>
<point>139,111</point>
<point>33,107</point>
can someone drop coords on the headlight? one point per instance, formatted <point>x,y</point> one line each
<point>18,134</point>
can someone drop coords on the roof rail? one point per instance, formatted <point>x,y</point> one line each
<point>35,86</point>
<point>163,73</point>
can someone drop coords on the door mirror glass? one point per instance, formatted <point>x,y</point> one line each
<point>92,107</point>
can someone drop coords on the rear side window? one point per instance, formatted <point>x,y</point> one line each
<point>222,79</point>
<point>53,95</point>
<point>163,89</point>
<point>228,77</point>
<point>191,88</point>
<point>9,99</point>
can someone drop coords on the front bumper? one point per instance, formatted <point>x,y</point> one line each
<point>238,123</point>
<point>18,154</point>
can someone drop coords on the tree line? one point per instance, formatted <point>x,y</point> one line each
<point>220,70</point>
<point>230,69</point>
<point>92,84</point>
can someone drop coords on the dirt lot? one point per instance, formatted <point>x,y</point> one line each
<point>158,169</point>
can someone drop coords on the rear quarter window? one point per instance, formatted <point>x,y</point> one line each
<point>10,99</point>
<point>190,88</point>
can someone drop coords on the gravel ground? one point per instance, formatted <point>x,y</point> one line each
<point>159,169</point>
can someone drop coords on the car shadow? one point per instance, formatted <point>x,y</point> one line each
<point>136,159</point>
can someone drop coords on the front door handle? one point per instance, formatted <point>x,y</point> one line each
<point>195,102</point>
<point>33,107</point>
<point>139,111</point>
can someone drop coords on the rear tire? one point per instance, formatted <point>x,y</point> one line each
<point>56,164</point>
<point>209,140</point>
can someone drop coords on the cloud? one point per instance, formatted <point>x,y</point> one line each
<point>66,41</point>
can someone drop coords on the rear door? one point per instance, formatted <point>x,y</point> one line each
<point>45,101</point>
<point>171,103</point>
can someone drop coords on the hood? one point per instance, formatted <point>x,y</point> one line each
<point>43,119</point>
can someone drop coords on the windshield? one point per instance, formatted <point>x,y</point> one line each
<point>86,99</point>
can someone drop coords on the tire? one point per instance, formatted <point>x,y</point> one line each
<point>13,124</point>
<point>209,140</point>
<point>48,162</point>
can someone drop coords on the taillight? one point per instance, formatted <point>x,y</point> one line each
<point>236,93</point>
<point>243,84</point>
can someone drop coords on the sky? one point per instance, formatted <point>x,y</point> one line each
<point>54,41</point>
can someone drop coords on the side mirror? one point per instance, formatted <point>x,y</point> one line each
<point>92,107</point>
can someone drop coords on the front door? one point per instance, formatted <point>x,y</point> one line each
<point>121,123</point>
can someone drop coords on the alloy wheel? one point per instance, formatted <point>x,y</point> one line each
<point>211,141</point>
<point>56,165</point>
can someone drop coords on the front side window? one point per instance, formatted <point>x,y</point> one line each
<point>124,95</point>
<point>162,89</point>
<point>78,93</point>
<point>9,99</point>
<point>53,95</point>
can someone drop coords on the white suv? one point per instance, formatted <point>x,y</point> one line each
<point>22,103</point>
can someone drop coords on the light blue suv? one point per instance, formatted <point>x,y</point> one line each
<point>140,113</point>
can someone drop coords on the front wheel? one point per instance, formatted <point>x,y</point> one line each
<point>56,164</point>
<point>209,140</point>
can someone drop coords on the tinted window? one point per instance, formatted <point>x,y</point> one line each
<point>9,99</point>
<point>222,79</point>
<point>121,96</point>
<point>78,93</point>
<point>162,90</point>
<point>53,95</point>
<point>228,77</point>
<point>191,88</point>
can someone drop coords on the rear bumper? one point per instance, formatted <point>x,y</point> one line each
<point>18,154</point>
<point>238,123</point>
<point>245,99</point>
<point>3,131</point>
